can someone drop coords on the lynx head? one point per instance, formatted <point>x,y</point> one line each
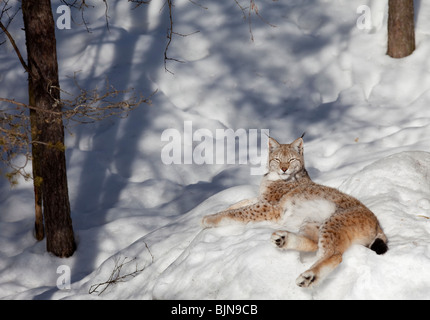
<point>286,161</point>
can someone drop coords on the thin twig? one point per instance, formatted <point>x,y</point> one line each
<point>252,8</point>
<point>170,34</point>
<point>15,47</point>
<point>88,106</point>
<point>139,2</point>
<point>116,276</point>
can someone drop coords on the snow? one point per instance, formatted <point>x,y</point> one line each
<point>367,124</point>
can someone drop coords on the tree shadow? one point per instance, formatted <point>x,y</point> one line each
<point>417,6</point>
<point>256,104</point>
<point>101,155</point>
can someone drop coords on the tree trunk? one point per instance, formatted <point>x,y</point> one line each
<point>401,31</point>
<point>47,126</point>
<point>39,231</point>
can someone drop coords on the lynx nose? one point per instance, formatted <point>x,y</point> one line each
<point>284,168</point>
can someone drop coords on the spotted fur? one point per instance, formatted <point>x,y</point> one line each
<point>329,221</point>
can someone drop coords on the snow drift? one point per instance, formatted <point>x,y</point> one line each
<point>239,262</point>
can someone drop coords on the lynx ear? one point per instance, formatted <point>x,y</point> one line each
<point>273,144</point>
<point>297,145</point>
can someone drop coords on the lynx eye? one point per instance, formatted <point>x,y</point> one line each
<point>277,160</point>
<point>294,159</point>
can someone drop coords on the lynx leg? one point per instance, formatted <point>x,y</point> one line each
<point>243,203</point>
<point>310,230</point>
<point>288,240</point>
<point>212,220</point>
<point>254,212</point>
<point>319,270</point>
<point>217,219</point>
<point>335,236</point>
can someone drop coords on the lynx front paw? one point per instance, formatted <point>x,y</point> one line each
<point>280,238</point>
<point>306,279</point>
<point>210,221</point>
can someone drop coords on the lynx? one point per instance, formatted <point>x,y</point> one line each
<point>328,221</point>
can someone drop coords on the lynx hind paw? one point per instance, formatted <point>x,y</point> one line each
<point>279,238</point>
<point>306,279</point>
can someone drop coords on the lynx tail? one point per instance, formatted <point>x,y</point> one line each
<point>379,246</point>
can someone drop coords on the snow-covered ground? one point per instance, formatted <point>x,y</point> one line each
<point>367,123</point>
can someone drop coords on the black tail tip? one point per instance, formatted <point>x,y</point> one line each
<point>379,246</point>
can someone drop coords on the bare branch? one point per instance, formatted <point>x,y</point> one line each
<point>88,106</point>
<point>171,32</point>
<point>169,37</point>
<point>81,5</point>
<point>116,275</point>
<point>252,8</point>
<point>91,106</point>
<point>139,2</point>
<point>18,53</point>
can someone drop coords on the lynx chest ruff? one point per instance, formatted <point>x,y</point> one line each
<point>300,210</point>
<point>299,202</point>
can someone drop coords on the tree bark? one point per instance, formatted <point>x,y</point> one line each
<point>47,126</point>
<point>39,230</point>
<point>401,30</point>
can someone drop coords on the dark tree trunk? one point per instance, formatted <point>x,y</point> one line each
<point>401,30</point>
<point>47,126</point>
<point>39,231</point>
